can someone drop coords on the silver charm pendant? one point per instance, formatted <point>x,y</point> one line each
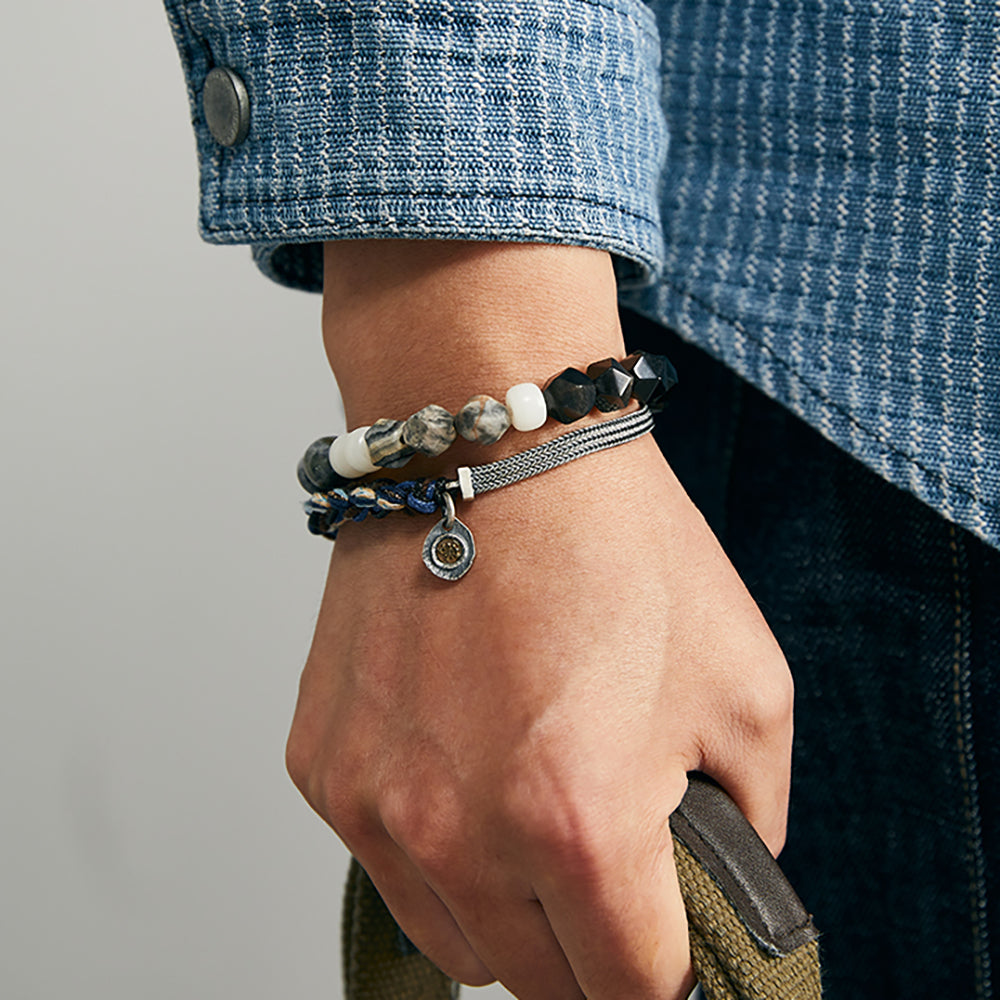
<point>449,549</point>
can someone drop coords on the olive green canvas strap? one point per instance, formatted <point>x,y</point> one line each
<point>750,937</point>
<point>728,962</point>
<point>378,962</point>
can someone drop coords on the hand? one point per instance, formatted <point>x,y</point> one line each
<point>502,754</point>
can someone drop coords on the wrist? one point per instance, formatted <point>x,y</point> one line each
<point>407,323</point>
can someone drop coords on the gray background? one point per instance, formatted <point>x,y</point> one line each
<point>157,583</point>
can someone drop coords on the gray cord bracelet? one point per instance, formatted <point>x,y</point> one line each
<point>449,549</point>
<point>583,441</point>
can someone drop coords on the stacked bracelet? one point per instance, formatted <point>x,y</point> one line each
<point>449,549</point>
<point>332,462</point>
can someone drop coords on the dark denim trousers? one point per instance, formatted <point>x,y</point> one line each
<point>890,619</point>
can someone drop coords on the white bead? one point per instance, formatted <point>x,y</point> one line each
<point>357,451</point>
<point>526,404</point>
<point>341,458</point>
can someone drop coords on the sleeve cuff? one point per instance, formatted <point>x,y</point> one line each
<point>521,120</point>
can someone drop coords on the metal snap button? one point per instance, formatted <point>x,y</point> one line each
<point>226,105</point>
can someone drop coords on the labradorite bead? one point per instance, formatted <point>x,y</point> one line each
<point>304,481</point>
<point>613,384</point>
<point>654,375</point>
<point>315,472</point>
<point>430,430</point>
<point>483,419</point>
<point>385,444</point>
<point>570,396</point>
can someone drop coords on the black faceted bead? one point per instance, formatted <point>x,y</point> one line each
<point>654,375</point>
<point>613,384</point>
<point>569,396</point>
<point>315,472</point>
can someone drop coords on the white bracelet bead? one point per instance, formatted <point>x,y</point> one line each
<point>357,452</point>
<point>526,404</point>
<point>341,458</point>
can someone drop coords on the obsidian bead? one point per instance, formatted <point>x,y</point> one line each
<point>569,396</point>
<point>315,472</point>
<point>654,375</point>
<point>613,384</point>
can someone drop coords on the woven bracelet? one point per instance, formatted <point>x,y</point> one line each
<point>449,548</point>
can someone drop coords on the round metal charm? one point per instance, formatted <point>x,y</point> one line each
<point>449,549</point>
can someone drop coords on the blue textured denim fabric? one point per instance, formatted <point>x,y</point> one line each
<point>417,119</point>
<point>889,616</point>
<point>829,201</point>
<point>831,206</point>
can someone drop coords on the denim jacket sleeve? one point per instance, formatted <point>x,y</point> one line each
<point>522,120</point>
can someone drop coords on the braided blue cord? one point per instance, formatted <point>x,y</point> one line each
<point>328,511</point>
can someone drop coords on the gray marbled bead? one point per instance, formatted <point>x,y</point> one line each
<point>482,419</point>
<point>430,430</point>
<point>386,446</point>
<point>315,472</point>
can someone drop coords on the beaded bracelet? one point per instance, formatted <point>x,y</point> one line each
<point>332,462</point>
<point>449,548</point>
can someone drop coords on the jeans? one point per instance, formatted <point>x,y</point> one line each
<point>889,617</point>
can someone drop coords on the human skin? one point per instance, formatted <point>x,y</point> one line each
<point>502,754</point>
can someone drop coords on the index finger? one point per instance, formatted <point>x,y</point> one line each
<point>619,918</point>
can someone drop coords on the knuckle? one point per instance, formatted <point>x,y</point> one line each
<point>426,829</point>
<point>340,803</point>
<point>352,822</point>
<point>557,826</point>
<point>442,867</point>
<point>337,800</point>
<point>298,760</point>
<point>764,711</point>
